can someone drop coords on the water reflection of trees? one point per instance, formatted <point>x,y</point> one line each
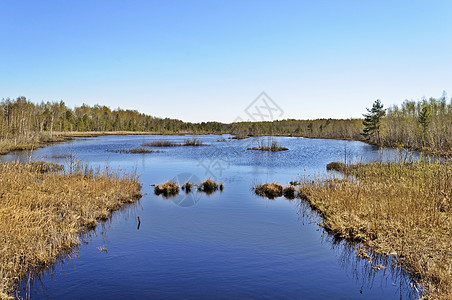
<point>376,271</point>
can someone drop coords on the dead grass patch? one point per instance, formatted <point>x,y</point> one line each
<point>167,189</point>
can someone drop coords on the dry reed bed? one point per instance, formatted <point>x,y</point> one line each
<point>397,209</point>
<point>42,214</point>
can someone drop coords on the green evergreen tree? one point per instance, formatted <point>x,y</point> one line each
<point>424,118</point>
<point>372,122</point>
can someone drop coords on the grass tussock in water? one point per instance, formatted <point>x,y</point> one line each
<point>272,146</point>
<point>167,189</point>
<point>272,149</point>
<point>275,190</point>
<point>42,213</point>
<point>209,186</point>
<point>171,188</point>
<point>395,208</point>
<point>134,150</point>
<point>289,192</point>
<point>187,186</point>
<point>161,143</point>
<point>239,137</point>
<point>194,141</point>
<point>269,190</point>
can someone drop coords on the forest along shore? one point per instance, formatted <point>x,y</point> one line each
<point>398,209</point>
<point>424,125</point>
<point>44,209</point>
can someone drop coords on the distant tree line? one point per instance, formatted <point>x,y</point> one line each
<point>425,124</point>
<point>22,118</point>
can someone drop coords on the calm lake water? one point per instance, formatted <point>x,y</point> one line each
<point>230,244</point>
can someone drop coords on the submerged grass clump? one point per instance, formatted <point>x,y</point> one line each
<point>239,137</point>
<point>43,210</point>
<point>133,150</point>
<point>269,190</point>
<point>289,192</point>
<point>272,149</point>
<point>160,143</point>
<point>209,186</point>
<point>187,186</point>
<point>275,190</point>
<point>171,188</point>
<point>167,189</point>
<point>395,208</point>
<point>194,141</point>
<point>272,146</point>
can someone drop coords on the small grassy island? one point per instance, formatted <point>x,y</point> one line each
<point>271,145</point>
<point>275,190</point>
<point>134,150</point>
<point>171,188</point>
<point>272,149</point>
<point>43,211</point>
<point>194,141</point>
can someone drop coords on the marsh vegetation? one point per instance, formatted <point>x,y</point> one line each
<point>402,208</point>
<point>193,141</point>
<point>396,208</point>
<point>268,145</point>
<point>209,186</point>
<point>167,189</point>
<point>133,150</point>
<point>274,190</point>
<point>43,209</point>
<point>171,188</point>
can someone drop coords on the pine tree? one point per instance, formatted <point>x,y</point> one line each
<point>372,122</point>
<point>424,118</point>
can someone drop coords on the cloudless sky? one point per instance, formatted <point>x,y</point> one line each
<point>207,60</point>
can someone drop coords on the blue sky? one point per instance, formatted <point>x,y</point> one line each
<point>207,60</point>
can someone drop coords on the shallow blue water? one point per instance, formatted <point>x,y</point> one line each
<point>231,244</point>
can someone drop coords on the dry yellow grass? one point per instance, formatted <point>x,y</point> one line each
<point>42,214</point>
<point>269,190</point>
<point>396,209</point>
<point>209,186</point>
<point>167,189</point>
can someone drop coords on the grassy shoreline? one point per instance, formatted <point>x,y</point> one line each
<point>43,211</point>
<point>397,209</point>
<point>7,146</point>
